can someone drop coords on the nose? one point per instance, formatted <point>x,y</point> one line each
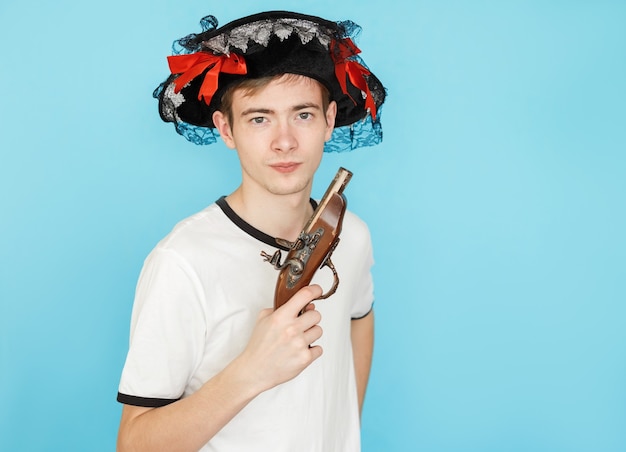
<point>284,140</point>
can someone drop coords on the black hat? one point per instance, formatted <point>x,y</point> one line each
<point>270,44</point>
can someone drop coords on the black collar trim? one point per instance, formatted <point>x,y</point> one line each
<point>248,228</point>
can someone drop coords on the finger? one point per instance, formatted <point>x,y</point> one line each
<point>316,351</point>
<point>301,298</point>
<point>313,334</point>
<point>308,318</point>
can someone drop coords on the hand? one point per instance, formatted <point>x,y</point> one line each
<point>280,345</point>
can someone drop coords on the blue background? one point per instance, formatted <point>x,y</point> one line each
<point>496,204</point>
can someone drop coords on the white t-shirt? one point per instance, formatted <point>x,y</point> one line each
<point>197,301</point>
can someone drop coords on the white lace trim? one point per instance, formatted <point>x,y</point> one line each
<point>261,31</point>
<point>174,100</point>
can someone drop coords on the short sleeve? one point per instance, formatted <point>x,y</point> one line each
<point>357,241</point>
<point>167,332</point>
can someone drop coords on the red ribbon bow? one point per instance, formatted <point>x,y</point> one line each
<point>191,65</point>
<point>341,51</point>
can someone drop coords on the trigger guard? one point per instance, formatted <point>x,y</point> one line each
<point>328,263</point>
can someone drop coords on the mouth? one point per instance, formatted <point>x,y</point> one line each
<point>285,167</point>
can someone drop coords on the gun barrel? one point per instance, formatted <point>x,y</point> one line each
<point>338,184</point>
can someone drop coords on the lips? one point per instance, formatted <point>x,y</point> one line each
<point>285,167</point>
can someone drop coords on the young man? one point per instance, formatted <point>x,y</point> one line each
<point>211,366</point>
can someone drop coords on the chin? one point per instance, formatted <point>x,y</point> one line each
<point>288,189</point>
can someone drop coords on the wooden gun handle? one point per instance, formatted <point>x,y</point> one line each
<point>318,243</point>
<point>314,246</point>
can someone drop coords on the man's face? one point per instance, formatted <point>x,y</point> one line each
<point>279,133</point>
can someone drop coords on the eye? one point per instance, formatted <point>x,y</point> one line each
<point>258,120</point>
<point>305,115</point>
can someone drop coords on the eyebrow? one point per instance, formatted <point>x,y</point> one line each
<point>307,105</point>
<point>251,111</point>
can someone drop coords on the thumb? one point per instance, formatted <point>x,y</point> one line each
<point>264,313</point>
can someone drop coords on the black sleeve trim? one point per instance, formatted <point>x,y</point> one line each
<point>364,315</point>
<point>146,402</point>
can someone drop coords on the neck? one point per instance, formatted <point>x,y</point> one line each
<point>281,216</point>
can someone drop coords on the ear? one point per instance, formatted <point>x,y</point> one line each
<point>331,113</point>
<point>224,129</point>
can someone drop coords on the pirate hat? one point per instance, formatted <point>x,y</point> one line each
<point>270,44</point>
